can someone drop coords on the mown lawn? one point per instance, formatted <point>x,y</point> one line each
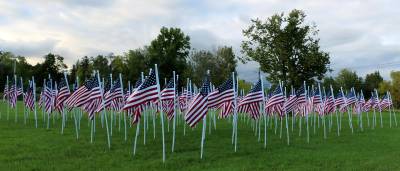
<point>24,147</point>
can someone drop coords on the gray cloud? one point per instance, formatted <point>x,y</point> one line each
<point>357,34</point>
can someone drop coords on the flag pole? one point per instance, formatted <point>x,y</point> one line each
<point>380,110</point>
<point>323,108</point>
<point>16,97</point>
<point>394,114</point>
<point>173,126</point>
<point>34,100</point>
<point>287,122</point>
<point>124,113</point>
<point>203,134</point>
<point>8,100</point>
<point>138,124</point>
<point>348,111</point>
<point>102,104</point>
<point>263,111</point>
<point>235,80</point>
<point>161,112</point>
<point>306,112</point>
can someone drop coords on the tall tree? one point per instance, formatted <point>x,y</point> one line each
<point>53,65</point>
<point>372,82</point>
<point>169,50</point>
<point>135,61</point>
<point>348,79</point>
<point>100,63</point>
<point>286,48</point>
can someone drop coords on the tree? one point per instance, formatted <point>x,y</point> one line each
<point>52,66</point>
<point>330,81</point>
<point>372,82</point>
<point>135,62</point>
<point>393,86</point>
<point>84,69</point>
<point>349,79</point>
<point>100,63</point>
<point>286,48</point>
<point>169,50</point>
<point>221,64</point>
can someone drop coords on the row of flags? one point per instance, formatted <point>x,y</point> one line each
<point>94,96</point>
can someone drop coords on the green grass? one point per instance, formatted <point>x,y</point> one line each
<point>23,147</point>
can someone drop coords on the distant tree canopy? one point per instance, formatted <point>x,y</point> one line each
<point>286,48</point>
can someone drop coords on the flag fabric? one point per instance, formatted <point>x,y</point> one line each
<point>48,95</point>
<point>329,106</point>
<point>184,99</point>
<point>224,93</point>
<point>87,96</point>
<point>275,102</point>
<point>62,95</point>
<point>29,101</point>
<point>168,99</point>
<point>198,107</point>
<point>145,93</point>
<point>5,92</point>
<point>250,103</point>
<point>385,102</point>
<point>290,103</point>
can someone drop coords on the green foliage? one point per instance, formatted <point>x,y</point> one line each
<point>349,79</point>
<point>372,82</point>
<point>221,64</point>
<point>393,86</point>
<point>286,48</point>
<point>169,50</point>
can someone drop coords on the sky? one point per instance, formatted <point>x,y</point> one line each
<point>362,35</point>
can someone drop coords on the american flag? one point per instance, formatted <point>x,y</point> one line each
<point>145,93</point>
<point>48,95</point>
<point>184,99</point>
<point>198,107</point>
<point>29,101</point>
<point>375,101</point>
<point>5,92</point>
<point>224,93</point>
<point>276,98</point>
<point>250,102</point>
<point>340,100</point>
<point>329,105</point>
<point>301,101</point>
<point>13,95</point>
<point>290,103</point>
<point>385,102</point>
<point>62,95</point>
<point>316,97</point>
<point>351,98</point>
<point>168,99</point>
<point>255,95</point>
<point>113,98</point>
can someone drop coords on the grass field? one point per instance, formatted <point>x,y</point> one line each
<point>23,147</point>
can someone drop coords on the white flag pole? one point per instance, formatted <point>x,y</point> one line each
<point>138,123</point>
<point>306,113</point>
<point>394,114</point>
<point>16,97</point>
<point>323,108</point>
<point>263,111</point>
<point>235,89</point>
<point>63,109</point>
<point>123,113</point>
<point>287,122</point>
<point>111,112</point>
<point>348,111</point>
<point>380,110</point>
<point>104,112</point>
<point>203,134</point>
<point>173,126</point>
<point>161,112</point>
<point>34,100</point>
<point>8,100</point>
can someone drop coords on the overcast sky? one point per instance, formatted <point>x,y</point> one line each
<point>363,35</point>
